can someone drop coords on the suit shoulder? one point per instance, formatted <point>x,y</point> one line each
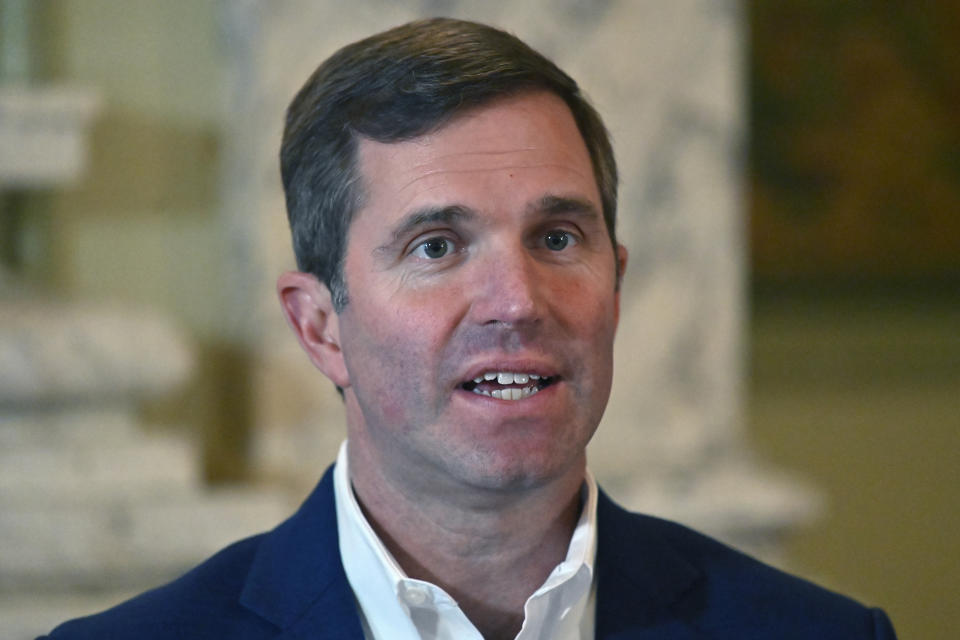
<point>202,603</point>
<point>747,598</point>
<point>741,574</point>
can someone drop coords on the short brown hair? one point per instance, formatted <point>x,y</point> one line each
<point>398,85</point>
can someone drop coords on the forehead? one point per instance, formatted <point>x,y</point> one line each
<point>529,142</point>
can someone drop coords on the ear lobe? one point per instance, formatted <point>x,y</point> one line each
<point>308,308</point>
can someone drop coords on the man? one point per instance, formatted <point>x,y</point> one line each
<point>452,198</point>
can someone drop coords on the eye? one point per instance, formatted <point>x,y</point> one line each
<point>558,240</point>
<point>434,248</point>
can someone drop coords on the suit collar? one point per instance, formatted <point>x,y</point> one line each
<point>296,580</point>
<point>644,585</point>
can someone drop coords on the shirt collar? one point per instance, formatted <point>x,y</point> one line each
<point>393,605</point>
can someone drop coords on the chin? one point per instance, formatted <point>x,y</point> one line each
<point>515,469</point>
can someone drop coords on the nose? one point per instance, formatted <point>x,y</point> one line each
<point>510,288</point>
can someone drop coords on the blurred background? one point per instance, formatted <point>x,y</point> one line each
<point>141,352</point>
<point>854,210</point>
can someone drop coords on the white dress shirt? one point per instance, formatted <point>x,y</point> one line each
<point>395,607</point>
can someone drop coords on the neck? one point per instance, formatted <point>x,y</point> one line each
<point>489,551</point>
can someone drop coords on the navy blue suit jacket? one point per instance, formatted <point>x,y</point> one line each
<point>656,579</point>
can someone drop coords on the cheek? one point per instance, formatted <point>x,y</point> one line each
<point>588,308</point>
<point>381,375</point>
<point>588,305</point>
<point>392,356</point>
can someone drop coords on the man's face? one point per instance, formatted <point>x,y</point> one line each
<point>480,250</point>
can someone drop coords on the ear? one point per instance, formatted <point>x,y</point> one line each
<point>308,308</point>
<point>621,270</point>
<point>621,263</point>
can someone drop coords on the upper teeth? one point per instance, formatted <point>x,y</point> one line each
<point>507,377</point>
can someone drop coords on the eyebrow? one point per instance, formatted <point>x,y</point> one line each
<point>427,216</point>
<point>553,205</point>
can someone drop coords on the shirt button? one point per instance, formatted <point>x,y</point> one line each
<point>415,596</point>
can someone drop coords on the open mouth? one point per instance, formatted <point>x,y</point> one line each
<point>508,385</point>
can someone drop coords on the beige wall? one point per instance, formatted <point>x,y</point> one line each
<point>856,388</point>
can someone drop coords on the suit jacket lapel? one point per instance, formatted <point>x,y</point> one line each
<point>645,588</point>
<point>297,581</point>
